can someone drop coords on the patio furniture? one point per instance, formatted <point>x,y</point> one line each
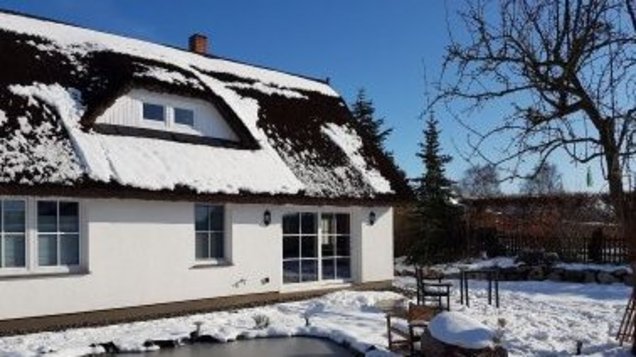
<point>430,292</point>
<point>492,276</point>
<point>403,339</point>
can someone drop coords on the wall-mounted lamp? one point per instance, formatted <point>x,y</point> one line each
<point>267,218</point>
<point>372,218</point>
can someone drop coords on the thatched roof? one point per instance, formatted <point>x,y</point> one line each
<point>297,139</point>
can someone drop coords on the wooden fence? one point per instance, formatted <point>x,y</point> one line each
<point>570,249</point>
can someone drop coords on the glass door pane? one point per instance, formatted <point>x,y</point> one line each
<point>291,271</point>
<point>47,249</point>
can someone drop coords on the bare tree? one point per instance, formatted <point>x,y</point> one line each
<point>546,181</point>
<point>567,71</point>
<point>480,181</point>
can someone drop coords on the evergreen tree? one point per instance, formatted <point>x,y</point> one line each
<point>436,210</point>
<point>363,112</point>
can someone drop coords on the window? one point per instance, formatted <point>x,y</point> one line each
<point>39,236</point>
<point>154,112</point>
<point>57,233</point>
<point>300,251</point>
<point>184,116</point>
<point>304,258</point>
<point>12,233</point>
<point>209,228</point>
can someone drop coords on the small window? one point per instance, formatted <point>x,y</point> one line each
<point>12,234</point>
<point>58,233</point>
<point>154,112</point>
<point>209,228</point>
<point>184,116</point>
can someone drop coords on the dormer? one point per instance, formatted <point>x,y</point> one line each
<point>146,113</point>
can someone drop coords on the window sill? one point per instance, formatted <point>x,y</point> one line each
<point>211,264</point>
<point>24,275</point>
<point>316,285</point>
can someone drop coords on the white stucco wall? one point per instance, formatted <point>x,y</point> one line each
<point>142,252</point>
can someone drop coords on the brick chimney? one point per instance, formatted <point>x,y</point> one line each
<point>198,43</point>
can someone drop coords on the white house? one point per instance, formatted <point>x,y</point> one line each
<point>140,180</point>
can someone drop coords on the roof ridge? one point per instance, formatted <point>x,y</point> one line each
<point>174,47</point>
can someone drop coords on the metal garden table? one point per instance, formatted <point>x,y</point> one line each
<point>492,276</point>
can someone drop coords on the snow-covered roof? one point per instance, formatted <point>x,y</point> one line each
<point>298,137</point>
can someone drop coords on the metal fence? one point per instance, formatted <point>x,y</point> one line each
<point>570,249</point>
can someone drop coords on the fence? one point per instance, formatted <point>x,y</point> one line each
<point>570,249</point>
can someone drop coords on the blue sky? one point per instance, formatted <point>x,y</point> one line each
<point>383,46</point>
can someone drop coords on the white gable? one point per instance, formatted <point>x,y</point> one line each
<point>128,111</point>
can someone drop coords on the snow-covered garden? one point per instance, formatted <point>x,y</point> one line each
<point>541,318</point>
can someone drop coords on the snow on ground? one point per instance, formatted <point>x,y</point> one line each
<point>502,262</point>
<point>344,317</point>
<point>541,319</point>
<point>588,266</point>
<point>453,268</point>
<point>548,318</point>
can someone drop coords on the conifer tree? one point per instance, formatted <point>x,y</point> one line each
<point>363,112</point>
<point>436,208</point>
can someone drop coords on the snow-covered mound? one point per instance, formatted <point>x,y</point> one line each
<point>457,329</point>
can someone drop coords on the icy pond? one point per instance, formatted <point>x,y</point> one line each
<point>283,347</point>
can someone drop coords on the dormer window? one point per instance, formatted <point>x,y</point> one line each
<point>184,116</point>
<point>167,116</point>
<point>154,112</point>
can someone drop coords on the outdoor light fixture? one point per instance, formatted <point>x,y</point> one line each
<point>371,218</point>
<point>267,218</point>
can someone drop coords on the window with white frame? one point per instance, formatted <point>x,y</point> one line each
<point>58,233</point>
<point>183,116</point>
<point>154,112</point>
<point>12,233</point>
<point>316,246</point>
<point>210,232</point>
<point>39,236</point>
<point>168,115</point>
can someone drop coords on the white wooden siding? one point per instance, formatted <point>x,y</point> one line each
<point>127,111</point>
